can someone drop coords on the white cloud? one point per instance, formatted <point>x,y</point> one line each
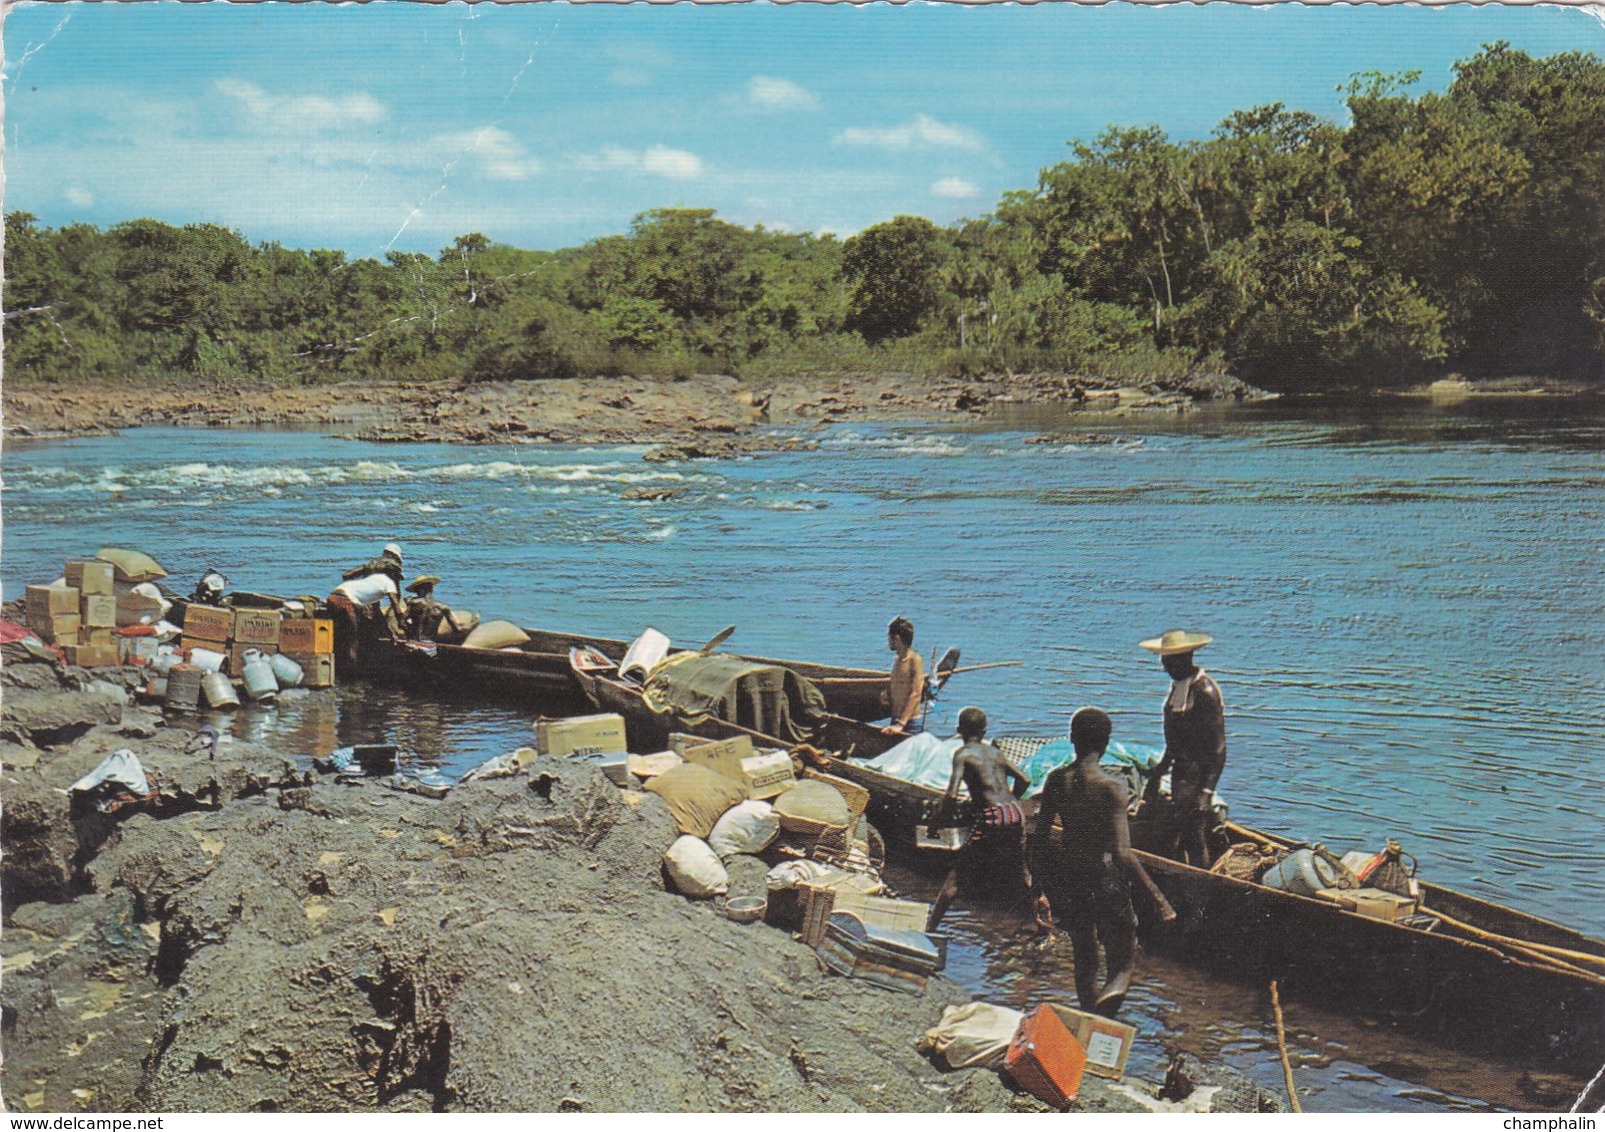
<point>83,198</point>
<point>921,130</point>
<point>771,93</point>
<point>955,188</point>
<point>302,114</point>
<point>676,164</point>
<point>497,152</point>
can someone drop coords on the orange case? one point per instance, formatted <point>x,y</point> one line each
<point>1045,1059</point>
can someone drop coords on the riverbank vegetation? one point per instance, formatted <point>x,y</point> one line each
<point>1459,231</point>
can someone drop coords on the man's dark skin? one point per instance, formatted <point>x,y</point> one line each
<point>987,774</point>
<point>1087,880</point>
<point>1195,755</point>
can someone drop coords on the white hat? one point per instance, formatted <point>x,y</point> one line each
<point>1176,641</point>
<point>393,550</point>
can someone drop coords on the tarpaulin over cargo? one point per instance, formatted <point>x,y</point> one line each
<point>763,697</point>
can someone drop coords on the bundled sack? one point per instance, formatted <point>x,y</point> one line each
<point>973,1036</point>
<point>747,828</point>
<point>131,565</point>
<point>495,635</point>
<point>696,796</point>
<point>694,869</point>
<point>812,802</point>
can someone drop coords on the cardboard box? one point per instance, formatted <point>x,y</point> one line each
<point>92,577</point>
<point>258,627</point>
<point>317,669</point>
<point>137,650</point>
<point>1373,903</point>
<point>614,764</point>
<point>91,656</point>
<point>99,638</point>
<point>208,623</point>
<point>1107,1043</point>
<point>186,643</point>
<point>99,611</point>
<point>650,766</point>
<point>768,773</point>
<point>580,735</point>
<point>306,635</point>
<point>57,629</point>
<point>48,601</point>
<point>950,840</point>
<point>722,757</point>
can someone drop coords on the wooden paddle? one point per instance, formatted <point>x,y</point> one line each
<point>719,638</point>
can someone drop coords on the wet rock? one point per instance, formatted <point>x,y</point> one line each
<point>47,717</point>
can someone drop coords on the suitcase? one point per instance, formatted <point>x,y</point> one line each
<point>1045,1059</point>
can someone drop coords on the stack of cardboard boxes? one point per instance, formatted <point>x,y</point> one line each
<point>79,615</point>
<point>309,641</point>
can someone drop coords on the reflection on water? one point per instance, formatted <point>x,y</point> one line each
<point>1405,600</point>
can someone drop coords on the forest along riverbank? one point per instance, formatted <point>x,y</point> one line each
<point>266,938</point>
<point>704,415</point>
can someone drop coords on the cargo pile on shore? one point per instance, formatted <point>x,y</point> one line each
<point>259,936</point>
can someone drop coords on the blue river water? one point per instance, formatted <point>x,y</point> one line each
<point>1406,603</point>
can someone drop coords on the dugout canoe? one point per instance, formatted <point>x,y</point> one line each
<point>1485,976</point>
<point>538,674</point>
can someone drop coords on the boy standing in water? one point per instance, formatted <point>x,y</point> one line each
<point>905,687</point>
<point>995,850</point>
<point>1087,881</point>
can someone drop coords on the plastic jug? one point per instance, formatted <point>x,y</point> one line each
<point>286,671</point>
<point>219,690</point>
<point>1302,873</point>
<point>260,683</point>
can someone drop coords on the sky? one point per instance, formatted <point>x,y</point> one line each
<point>397,126</point>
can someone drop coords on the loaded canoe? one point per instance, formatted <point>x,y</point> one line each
<point>1488,977</point>
<point>538,674</point>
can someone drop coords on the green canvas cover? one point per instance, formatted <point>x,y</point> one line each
<point>764,697</point>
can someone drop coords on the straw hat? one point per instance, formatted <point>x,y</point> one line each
<point>1176,641</point>
<point>423,582</point>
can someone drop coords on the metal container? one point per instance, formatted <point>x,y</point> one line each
<point>184,687</point>
<point>1302,873</point>
<point>260,683</point>
<point>286,671</point>
<point>219,690</point>
<point>207,660</point>
<point>166,656</point>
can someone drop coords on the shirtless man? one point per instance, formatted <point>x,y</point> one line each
<point>905,687</point>
<point>1087,881</point>
<point>1195,747</point>
<point>996,845</point>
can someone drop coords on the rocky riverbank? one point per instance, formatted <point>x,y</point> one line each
<point>705,415</point>
<point>268,938</point>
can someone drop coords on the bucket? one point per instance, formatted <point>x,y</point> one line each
<point>207,660</point>
<point>286,671</point>
<point>260,683</point>
<point>184,687</point>
<point>219,690</point>
<point>1302,873</point>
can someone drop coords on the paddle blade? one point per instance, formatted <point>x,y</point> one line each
<point>719,638</point>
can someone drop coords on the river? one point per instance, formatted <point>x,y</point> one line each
<point>1406,602</point>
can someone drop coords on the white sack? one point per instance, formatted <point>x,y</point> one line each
<point>695,869</point>
<point>747,828</point>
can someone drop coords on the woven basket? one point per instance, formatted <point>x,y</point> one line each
<point>1246,861</point>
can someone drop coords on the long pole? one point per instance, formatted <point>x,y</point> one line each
<point>1281,1048</point>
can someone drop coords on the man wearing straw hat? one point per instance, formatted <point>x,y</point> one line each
<point>1195,745</point>
<point>427,619</point>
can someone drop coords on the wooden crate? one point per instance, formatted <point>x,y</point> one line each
<point>257,627</point>
<point>310,635</point>
<point>317,669</point>
<point>208,623</point>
